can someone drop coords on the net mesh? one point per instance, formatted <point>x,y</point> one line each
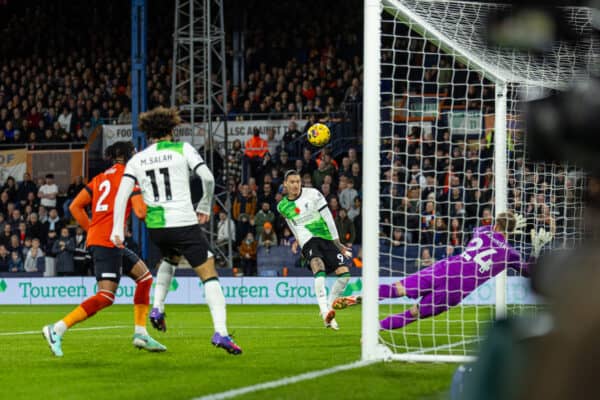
<point>437,159</point>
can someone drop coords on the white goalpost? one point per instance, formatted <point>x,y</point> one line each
<point>444,151</point>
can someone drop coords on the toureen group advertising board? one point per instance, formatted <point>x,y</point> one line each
<point>252,290</point>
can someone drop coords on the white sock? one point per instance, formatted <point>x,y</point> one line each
<point>321,294</point>
<point>337,289</point>
<point>163,281</point>
<point>60,328</point>
<point>216,303</point>
<point>140,330</point>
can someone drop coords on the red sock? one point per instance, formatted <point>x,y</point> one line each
<point>97,302</point>
<point>141,299</point>
<point>142,289</point>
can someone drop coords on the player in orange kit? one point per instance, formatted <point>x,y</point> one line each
<point>108,260</point>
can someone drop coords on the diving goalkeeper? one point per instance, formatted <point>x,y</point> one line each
<point>448,281</point>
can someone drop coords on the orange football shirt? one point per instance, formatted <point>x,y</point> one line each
<point>103,189</point>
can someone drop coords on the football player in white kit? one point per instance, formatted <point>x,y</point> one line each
<point>162,171</point>
<point>305,211</point>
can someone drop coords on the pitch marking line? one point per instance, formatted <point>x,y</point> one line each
<point>37,332</point>
<point>100,328</point>
<point>284,381</point>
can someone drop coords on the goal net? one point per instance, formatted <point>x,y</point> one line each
<point>452,155</point>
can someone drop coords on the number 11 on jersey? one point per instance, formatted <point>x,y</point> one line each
<point>166,180</point>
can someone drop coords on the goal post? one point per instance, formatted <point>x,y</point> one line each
<point>444,151</point>
<point>370,216</point>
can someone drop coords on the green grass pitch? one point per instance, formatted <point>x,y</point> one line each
<point>278,341</point>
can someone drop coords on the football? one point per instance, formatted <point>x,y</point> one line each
<point>318,135</point>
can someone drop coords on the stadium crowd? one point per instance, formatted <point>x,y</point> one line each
<point>436,188</point>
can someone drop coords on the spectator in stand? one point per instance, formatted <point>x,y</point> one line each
<point>334,206</point>
<point>124,116</point>
<point>325,168</point>
<point>455,237</point>
<point>16,262</point>
<point>428,218</point>
<point>348,195</point>
<point>53,223</point>
<point>440,236</point>
<point>243,226</point>
<point>273,144</point>
<point>81,256</point>
<point>266,194</point>
<point>234,161</point>
<point>254,152</point>
<point>4,203</point>
<point>48,192</point>
<point>247,251</point>
<point>10,187</point>
<point>42,214</point>
<point>15,244</point>
<point>309,163</point>
<point>63,248</point>
<point>25,187</point>
<point>74,188</point>
<point>15,219</point>
<point>346,167</point>
<point>265,214</point>
<point>4,259</point>
<point>35,259</point>
<point>284,163</point>
<point>48,245</point>
<point>80,138</point>
<point>345,228</point>
<point>486,217</point>
<point>291,144</point>
<point>5,236</point>
<point>356,176</point>
<point>225,229</point>
<point>426,260</point>
<point>64,120</point>
<point>355,210</point>
<point>22,233</point>
<point>244,203</point>
<point>397,239</point>
<point>268,237</point>
<point>287,239</point>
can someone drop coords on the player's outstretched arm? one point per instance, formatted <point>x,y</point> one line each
<point>198,167</point>
<point>77,208</point>
<point>125,189</point>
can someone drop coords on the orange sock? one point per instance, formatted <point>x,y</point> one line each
<point>141,299</point>
<point>140,314</point>
<point>75,316</point>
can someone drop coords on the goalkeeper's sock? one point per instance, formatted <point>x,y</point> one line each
<point>397,321</point>
<point>164,275</point>
<point>320,292</point>
<point>338,287</point>
<point>388,291</point>
<point>141,302</point>
<point>216,303</point>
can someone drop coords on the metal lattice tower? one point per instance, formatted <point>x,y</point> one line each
<point>198,85</point>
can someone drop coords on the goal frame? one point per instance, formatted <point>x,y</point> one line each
<point>371,349</point>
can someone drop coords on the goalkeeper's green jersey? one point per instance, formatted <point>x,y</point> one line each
<point>303,215</point>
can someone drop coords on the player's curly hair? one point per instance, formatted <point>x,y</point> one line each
<point>123,149</point>
<point>159,121</point>
<point>506,221</point>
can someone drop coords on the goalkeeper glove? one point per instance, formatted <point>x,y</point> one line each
<point>520,223</point>
<point>539,240</point>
